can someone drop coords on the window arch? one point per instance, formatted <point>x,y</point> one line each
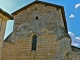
<point>34,42</point>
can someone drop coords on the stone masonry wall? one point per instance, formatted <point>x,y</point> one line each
<point>46,49</point>
<point>74,56</point>
<point>46,27</point>
<point>48,17</point>
<point>3,21</point>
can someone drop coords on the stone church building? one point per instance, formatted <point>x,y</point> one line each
<point>40,33</point>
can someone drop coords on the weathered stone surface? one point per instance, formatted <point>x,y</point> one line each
<point>46,22</point>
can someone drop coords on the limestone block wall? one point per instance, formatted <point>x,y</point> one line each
<point>64,46</point>
<point>74,55</point>
<point>2,31</point>
<point>46,49</point>
<point>48,17</point>
<point>40,20</point>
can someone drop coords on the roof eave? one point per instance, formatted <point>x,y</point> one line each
<point>25,7</point>
<point>6,14</point>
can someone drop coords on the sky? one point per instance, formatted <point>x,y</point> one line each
<point>72,12</point>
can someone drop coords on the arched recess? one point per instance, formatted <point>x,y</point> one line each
<point>34,42</point>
